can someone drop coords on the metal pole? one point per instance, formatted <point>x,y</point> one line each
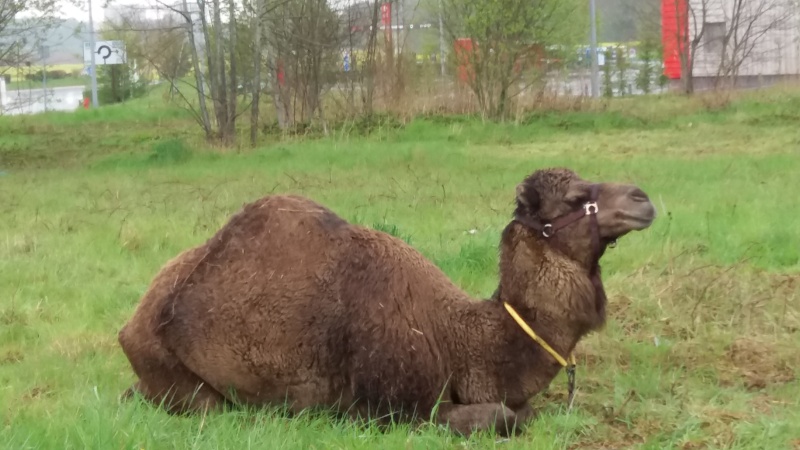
<point>93,66</point>
<point>396,15</point>
<point>401,29</point>
<point>441,38</point>
<point>595,67</point>
<point>44,51</point>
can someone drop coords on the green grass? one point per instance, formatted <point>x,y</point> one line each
<point>701,346</point>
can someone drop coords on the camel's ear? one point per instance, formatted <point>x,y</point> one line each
<point>528,201</point>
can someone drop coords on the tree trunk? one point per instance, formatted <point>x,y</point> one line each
<point>368,93</point>
<point>114,85</point>
<point>257,57</point>
<point>211,62</point>
<point>229,136</point>
<point>219,89</point>
<point>687,77</point>
<point>198,74</point>
<point>275,65</point>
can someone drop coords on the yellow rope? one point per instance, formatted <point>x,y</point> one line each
<point>536,338</point>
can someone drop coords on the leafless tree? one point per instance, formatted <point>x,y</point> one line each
<point>359,21</point>
<point>171,45</point>
<point>747,24</point>
<point>200,84</point>
<point>258,59</point>
<point>307,38</point>
<point>729,33</point>
<point>158,44</point>
<point>212,49</point>
<point>369,72</point>
<point>690,41</point>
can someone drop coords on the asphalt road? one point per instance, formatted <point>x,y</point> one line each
<point>24,101</point>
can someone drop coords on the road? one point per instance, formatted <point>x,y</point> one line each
<point>24,101</point>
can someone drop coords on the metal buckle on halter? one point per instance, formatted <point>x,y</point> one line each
<point>545,228</point>
<point>590,208</point>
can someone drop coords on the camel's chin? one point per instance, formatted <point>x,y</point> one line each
<point>614,237</point>
<point>640,224</point>
<point>639,220</point>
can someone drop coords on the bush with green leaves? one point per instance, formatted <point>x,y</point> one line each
<point>118,83</point>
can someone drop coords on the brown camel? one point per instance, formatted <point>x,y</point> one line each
<point>288,304</point>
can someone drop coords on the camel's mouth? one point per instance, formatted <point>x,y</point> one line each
<point>639,220</point>
<point>641,213</point>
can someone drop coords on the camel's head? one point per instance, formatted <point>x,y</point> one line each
<point>559,205</point>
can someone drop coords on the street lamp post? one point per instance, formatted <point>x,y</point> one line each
<point>45,53</point>
<point>93,66</point>
<point>595,66</point>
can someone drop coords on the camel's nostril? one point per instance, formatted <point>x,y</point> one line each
<point>638,195</point>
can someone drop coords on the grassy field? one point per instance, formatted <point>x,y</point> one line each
<point>701,348</point>
<point>51,83</point>
<point>18,80</point>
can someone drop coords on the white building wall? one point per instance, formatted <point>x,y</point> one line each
<point>775,29</point>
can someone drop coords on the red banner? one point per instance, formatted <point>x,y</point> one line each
<point>386,14</point>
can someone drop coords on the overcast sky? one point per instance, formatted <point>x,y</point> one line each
<point>82,14</point>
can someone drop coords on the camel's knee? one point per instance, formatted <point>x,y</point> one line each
<point>181,397</point>
<point>468,419</point>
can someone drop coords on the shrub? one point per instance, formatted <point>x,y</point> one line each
<point>170,151</point>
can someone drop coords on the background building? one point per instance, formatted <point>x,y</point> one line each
<point>755,42</point>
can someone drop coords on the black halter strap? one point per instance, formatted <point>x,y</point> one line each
<point>548,230</point>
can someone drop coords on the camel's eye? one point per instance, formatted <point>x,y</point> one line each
<point>577,197</point>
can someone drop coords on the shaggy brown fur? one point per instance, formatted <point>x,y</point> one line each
<point>288,303</point>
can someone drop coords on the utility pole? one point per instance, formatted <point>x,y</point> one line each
<point>595,67</point>
<point>441,37</point>
<point>93,65</point>
<point>401,27</point>
<point>45,51</point>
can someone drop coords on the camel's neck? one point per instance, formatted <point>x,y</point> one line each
<point>560,297</point>
<point>555,297</point>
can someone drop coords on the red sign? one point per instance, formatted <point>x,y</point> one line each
<point>281,73</point>
<point>386,14</point>
<point>464,55</point>
<point>674,33</point>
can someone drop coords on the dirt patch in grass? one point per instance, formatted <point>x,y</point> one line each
<point>37,392</point>
<point>759,363</point>
<point>11,357</point>
<point>766,404</point>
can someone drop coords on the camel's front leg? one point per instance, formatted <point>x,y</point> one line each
<point>467,419</point>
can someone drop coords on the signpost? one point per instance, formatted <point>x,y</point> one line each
<point>92,61</point>
<point>106,53</point>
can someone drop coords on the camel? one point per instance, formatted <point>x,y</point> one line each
<point>290,305</point>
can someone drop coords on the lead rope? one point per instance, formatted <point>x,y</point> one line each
<point>548,230</point>
<point>571,381</point>
<point>570,366</point>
